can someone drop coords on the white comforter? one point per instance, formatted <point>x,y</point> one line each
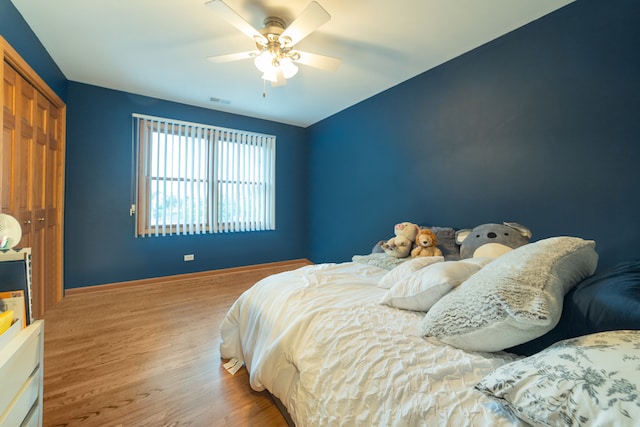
<point>318,339</point>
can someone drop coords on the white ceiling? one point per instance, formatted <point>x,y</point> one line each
<point>159,48</point>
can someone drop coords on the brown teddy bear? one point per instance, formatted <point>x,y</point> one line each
<point>426,242</point>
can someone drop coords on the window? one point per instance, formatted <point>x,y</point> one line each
<point>193,178</point>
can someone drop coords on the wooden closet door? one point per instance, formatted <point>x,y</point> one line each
<point>53,207</point>
<point>17,149</point>
<point>32,175</point>
<point>8,143</point>
<point>38,228</point>
<point>26,142</point>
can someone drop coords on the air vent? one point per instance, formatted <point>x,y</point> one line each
<point>220,100</point>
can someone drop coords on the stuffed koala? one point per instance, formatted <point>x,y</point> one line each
<point>491,240</point>
<point>400,245</point>
<point>426,242</point>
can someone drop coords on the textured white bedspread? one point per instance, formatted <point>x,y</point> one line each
<point>318,339</point>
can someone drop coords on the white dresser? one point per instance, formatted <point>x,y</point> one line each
<point>21,377</point>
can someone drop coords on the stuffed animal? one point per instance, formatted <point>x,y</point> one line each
<point>491,240</point>
<point>400,245</point>
<point>426,242</point>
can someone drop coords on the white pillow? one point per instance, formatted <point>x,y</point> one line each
<point>587,381</point>
<point>514,299</point>
<point>423,288</point>
<point>404,270</point>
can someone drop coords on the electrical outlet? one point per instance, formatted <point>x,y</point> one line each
<point>189,257</point>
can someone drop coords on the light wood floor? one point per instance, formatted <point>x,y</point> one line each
<point>148,356</point>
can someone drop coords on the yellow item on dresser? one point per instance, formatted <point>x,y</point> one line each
<point>6,318</point>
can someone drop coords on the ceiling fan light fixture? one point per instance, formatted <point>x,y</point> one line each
<point>264,61</point>
<point>270,74</point>
<point>274,67</point>
<point>275,56</point>
<point>289,69</point>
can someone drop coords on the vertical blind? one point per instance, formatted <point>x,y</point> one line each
<point>192,178</point>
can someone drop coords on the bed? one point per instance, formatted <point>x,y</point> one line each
<point>530,338</point>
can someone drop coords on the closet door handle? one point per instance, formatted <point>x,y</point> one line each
<point>41,219</point>
<point>28,221</point>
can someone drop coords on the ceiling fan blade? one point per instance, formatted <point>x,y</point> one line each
<point>221,59</point>
<point>312,17</point>
<point>223,10</point>
<point>327,63</point>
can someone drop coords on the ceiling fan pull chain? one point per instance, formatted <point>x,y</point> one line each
<point>264,88</point>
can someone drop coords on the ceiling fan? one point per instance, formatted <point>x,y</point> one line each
<point>275,55</point>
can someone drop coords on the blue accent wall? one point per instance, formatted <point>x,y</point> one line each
<point>18,34</point>
<point>100,246</point>
<point>540,127</point>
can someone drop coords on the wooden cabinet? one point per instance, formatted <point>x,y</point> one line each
<point>32,171</point>
<point>21,370</point>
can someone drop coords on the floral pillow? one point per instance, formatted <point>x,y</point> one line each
<point>592,380</point>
